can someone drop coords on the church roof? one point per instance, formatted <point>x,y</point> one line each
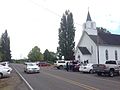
<point>88,17</point>
<point>84,51</point>
<point>106,39</point>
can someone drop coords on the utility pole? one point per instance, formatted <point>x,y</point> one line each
<point>98,47</point>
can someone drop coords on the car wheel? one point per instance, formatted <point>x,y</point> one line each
<point>111,73</point>
<point>91,71</point>
<point>119,72</point>
<point>1,75</point>
<point>24,71</point>
<point>60,67</point>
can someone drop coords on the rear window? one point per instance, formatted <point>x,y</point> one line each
<point>61,61</point>
<point>110,62</point>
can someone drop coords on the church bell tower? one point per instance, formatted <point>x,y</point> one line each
<point>89,26</point>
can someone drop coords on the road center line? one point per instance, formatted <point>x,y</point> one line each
<point>72,82</point>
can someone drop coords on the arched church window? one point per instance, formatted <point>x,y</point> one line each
<point>106,54</point>
<point>79,57</point>
<point>116,57</point>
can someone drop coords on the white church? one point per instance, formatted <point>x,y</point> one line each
<point>94,47</point>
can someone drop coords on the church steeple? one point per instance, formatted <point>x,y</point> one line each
<point>89,26</point>
<point>88,17</point>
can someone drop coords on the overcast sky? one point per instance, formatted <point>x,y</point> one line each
<point>36,22</point>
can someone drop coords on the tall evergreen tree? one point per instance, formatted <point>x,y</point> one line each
<point>66,36</point>
<point>5,47</point>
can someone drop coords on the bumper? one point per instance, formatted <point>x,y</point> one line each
<point>84,70</point>
<point>101,71</point>
<point>32,71</point>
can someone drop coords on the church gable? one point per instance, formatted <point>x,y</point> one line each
<point>85,41</point>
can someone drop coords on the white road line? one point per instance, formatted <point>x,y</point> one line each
<point>23,78</point>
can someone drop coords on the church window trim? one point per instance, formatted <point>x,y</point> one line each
<point>116,56</point>
<point>106,54</point>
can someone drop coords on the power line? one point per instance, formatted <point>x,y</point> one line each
<point>47,9</point>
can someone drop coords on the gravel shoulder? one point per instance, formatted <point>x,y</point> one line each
<point>14,82</point>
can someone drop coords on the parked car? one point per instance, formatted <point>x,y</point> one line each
<point>5,71</point>
<point>31,68</point>
<point>86,68</point>
<point>4,63</point>
<point>111,67</point>
<point>43,64</point>
<point>61,64</point>
<point>74,66</point>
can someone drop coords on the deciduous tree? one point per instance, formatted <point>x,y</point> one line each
<point>35,54</point>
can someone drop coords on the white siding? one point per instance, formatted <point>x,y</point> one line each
<point>87,42</point>
<point>111,53</point>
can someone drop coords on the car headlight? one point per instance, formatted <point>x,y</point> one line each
<point>29,68</point>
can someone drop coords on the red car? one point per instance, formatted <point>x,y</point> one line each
<point>43,64</point>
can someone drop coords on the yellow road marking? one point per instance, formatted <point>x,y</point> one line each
<point>72,82</point>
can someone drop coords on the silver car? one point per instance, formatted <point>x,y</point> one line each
<point>31,68</point>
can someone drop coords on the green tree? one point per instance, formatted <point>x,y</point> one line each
<point>103,30</point>
<point>66,37</point>
<point>53,57</point>
<point>59,53</point>
<point>35,54</point>
<point>5,47</point>
<point>46,55</point>
<point>49,56</point>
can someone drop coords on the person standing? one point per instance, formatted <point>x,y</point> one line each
<point>67,66</point>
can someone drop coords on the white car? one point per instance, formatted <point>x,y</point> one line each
<point>60,64</point>
<point>86,68</point>
<point>31,68</point>
<point>5,71</point>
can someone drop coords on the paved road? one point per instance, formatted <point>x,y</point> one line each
<point>52,79</point>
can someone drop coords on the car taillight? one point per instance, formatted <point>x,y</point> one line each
<point>8,71</point>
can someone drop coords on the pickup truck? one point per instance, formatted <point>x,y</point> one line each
<point>60,64</point>
<point>110,67</point>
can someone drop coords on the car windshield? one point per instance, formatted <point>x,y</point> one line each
<point>30,64</point>
<point>110,62</point>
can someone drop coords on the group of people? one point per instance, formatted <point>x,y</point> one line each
<point>71,65</point>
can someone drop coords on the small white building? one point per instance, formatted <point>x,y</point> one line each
<point>95,47</point>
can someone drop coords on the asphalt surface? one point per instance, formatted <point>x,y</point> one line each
<point>53,79</point>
